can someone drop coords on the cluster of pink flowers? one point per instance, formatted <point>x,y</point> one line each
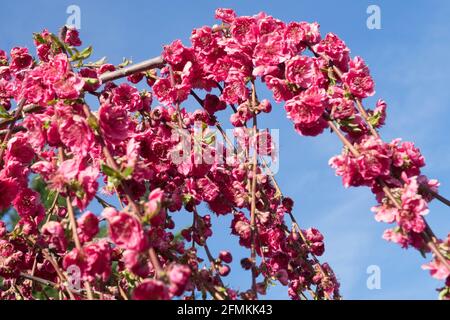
<point>125,149</point>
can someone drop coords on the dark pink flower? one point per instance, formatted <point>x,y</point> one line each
<point>335,49</point>
<point>235,92</point>
<point>53,235</point>
<point>358,79</point>
<point>127,97</point>
<point>20,60</point>
<point>28,205</point>
<point>225,256</point>
<point>269,53</point>
<point>91,79</point>
<point>95,260</point>
<point>72,37</point>
<point>300,33</point>
<point>308,107</point>
<point>3,229</point>
<point>19,149</point>
<point>244,30</point>
<point>179,276</point>
<point>212,104</point>
<point>114,123</point>
<point>87,226</point>
<point>302,71</point>
<point>279,87</point>
<point>154,204</point>
<point>125,230</point>
<point>76,134</point>
<point>226,15</point>
<point>151,290</point>
<point>137,262</point>
<point>8,191</point>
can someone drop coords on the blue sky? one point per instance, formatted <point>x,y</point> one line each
<point>408,58</point>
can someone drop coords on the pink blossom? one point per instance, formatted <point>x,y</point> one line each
<point>154,204</point>
<point>19,149</point>
<point>298,33</point>
<point>204,41</point>
<point>213,104</point>
<point>125,230</point>
<point>95,260</point>
<point>3,229</point>
<point>335,49</point>
<point>244,30</point>
<point>302,71</point>
<point>374,160</point>
<point>53,234</point>
<point>177,54</point>
<point>269,52</point>
<point>179,276</point>
<point>358,79</point>
<point>28,205</point>
<point>279,87</point>
<point>167,94</point>
<point>77,135</point>
<point>91,79</point>
<point>137,262</point>
<point>308,107</point>
<point>414,207</point>
<point>20,60</point>
<point>72,37</point>
<point>114,123</point>
<point>437,269</point>
<point>8,191</point>
<point>378,115</point>
<point>209,190</point>
<point>151,290</point>
<point>87,226</point>
<point>385,214</point>
<point>407,157</point>
<point>87,179</point>
<point>226,15</point>
<point>70,88</point>
<point>235,92</point>
<point>127,97</point>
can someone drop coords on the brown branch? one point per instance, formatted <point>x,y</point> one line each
<point>9,132</point>
<point>73,226</point>
<point>253,194</point>
<point>153,63</point>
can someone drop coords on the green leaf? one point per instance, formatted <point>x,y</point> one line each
<point>4,114</point>
<point>82,55</point>
<point>97,63</point>
<point>110,172</point>
<point>125,62</point>
<point>127,172</point>
<point>39,39</point>
<point>374,119</point>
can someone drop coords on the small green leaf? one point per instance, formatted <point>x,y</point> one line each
<point>82,55</point>
<point>127,172</point>
<point>110,172</point>
<point>4,114</point>
<point>39,39</point>
<point>125,62</point>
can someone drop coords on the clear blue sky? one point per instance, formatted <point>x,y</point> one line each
<point>409,61</point>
